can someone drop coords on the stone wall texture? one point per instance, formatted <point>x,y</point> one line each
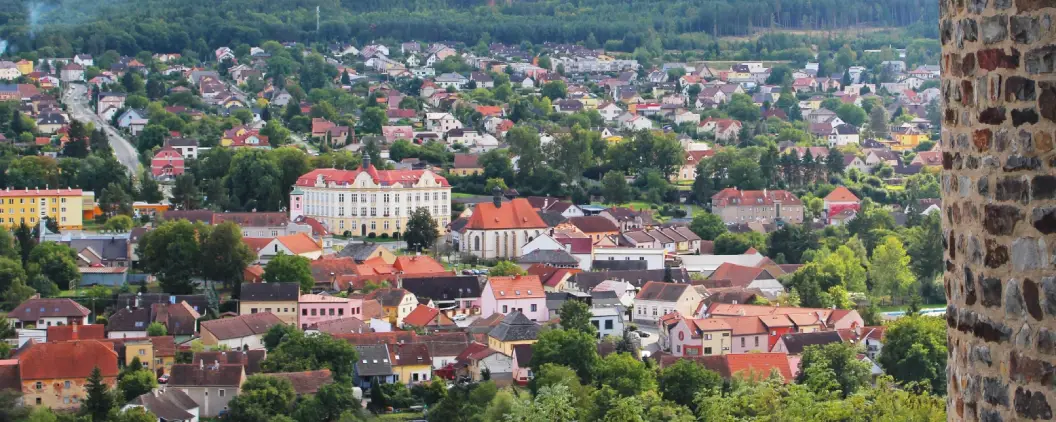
<point>999,207</point>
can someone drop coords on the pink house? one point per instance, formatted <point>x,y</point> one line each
<point>167,163</point>
<point>503,295</point>
<point>318,308</point>
<point>841,199</point>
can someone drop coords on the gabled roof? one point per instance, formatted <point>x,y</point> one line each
<point>546,256</point>
<point>126,319</point>
<point>796,342</point>
<point>382,177</point>
<point>661,291</point>
<point>306,382</point>
<point>421,264</point>
<point>759,365</point>
<point>169,405</point>
<point>67,360</point>
<point>516,214</point>
<point>443,287</point>
<point>359,251</point>
<point>516,287</point>
<point>270,292</point>
<point>388,297</point>
<point>515,327</point>
<point>424,316</point>
<point>841,194</point>
<point>241,326</point>
<point>739,275</point>
<point>593,224</point>
<point>466,161</point>
<point>410,354</point>
<point>34,309</point>
<point>586,280</point>
<point>191,375</point>
<point>733,196</point>
<point>373,360</point>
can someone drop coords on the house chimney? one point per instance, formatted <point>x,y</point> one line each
<point>201,364</point>
<point>496,194</point>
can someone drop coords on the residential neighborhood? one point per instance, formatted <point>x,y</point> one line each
<point>378,220</point>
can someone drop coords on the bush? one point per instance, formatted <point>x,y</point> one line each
<point>371,235</point>
<point>347,233</point>
<point>384,236</point>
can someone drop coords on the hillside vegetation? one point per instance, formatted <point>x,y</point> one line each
<point>130,26</point>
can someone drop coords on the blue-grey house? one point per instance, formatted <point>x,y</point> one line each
<point>373,363</point>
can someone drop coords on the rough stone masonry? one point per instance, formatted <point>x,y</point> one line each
<point>999,207</point>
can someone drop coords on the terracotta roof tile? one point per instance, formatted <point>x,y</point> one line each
<point>76,332</point>
<point>759,365</point>
<point>422,264</point>
<point>516,214</point>
<point>841,194</point>
<point>299,243</point>
<point>383,177</point>
<point>67,359</point>
<point>594,224</point>
<point>307,382</point>
<point>516,287</point>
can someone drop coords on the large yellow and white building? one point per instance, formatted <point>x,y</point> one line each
<point>32,205</point>
<point>369,200</point>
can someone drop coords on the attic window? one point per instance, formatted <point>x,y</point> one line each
<point>502,293</point>
<point>139,324</point>
<point>385,360</point>
<point>517,292</point>
<point>529,292</point>
<point>364,361</point>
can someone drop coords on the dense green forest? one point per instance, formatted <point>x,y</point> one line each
<point>63,27</point>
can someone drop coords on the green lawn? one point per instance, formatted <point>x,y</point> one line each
<point>637,205</point>
<point>404,416</point>
<point>456,195</point>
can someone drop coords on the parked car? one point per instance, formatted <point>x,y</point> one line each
<point>163,379</point>
<point>459,317</point>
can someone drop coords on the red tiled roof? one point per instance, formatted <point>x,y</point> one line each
<point>382,177</point>
<point>299,243</point>
<point>694,157</point>
<point>739,275</point>
<point>516,214</point>
<point>759,365</point>
<point>76,332</point>
<point>466,161</point>
<point>67,360</point>
<point>745,325</point>
<point>733,196</point>
<point>516,287</point>
<point>550,276</point>
<point>256,243</point>
<point>841,194</point>
<point>421,264</point>
<point>421,316</point>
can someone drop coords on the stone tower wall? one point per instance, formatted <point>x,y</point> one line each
<point>999,206</point>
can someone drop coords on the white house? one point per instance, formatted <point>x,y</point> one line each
<point>451,80</point>
<point>133,120</point>
<point>653,257</point>
<point>9,71</point>
<point>657,299</point>
<point>441,122</point>
<point>607,320</point>
<point>299,244</point>
<point>500,229</point>
<point>638,123</point>
<point>843,135</point>
<point>687,117</point>
<point>84,60</point>
<point>610,111</point>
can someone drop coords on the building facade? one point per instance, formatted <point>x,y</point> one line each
<point>32,205</point>
<point>370,201</point>
<point>737,206</point>
<point>317,308</point>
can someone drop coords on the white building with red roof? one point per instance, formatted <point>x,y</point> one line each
<point>369,201</point>
<point>741,206</point>
<point>839,200</point>
<point>501,229</point>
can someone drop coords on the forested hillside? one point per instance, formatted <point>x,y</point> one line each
<point>130,26</point>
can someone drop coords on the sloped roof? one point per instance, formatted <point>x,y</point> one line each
<point>388,297</point>
<point>516,214</point>
<point>170,405</point>
<point>593,224</point>
<point>249,359</point>
<point>373,360</point>
<point>422,264</point>
<point>299,243</point>
<point>34,309</point>
<point>515,327</point>
<point>241,326</point>
<point>306,382</point>
<point>661,291</point>
<point>382,177</point>
<point>516,287</point>
<point>191,375</point>
<point>66,360</point>
<point>76,332</point>
<point>841,194</point>
<point>424,316</point>
<point>270,292</point>
<point>126,319</point>
<point>547,256</point>
<point>759,365</point>
<point>359,251</point>
<point>796,342</point>
<point>443,287</point>
<point>739,275</point>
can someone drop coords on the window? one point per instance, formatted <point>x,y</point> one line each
<point>707,350</point>
<point>534,307</point>
<point>678,348</point>
<point>39,386</point>
<point>654,311</point>
<point>38,400</point>
<point>742,341</point>
<point>222,392</point>
<point>608,324</point>
<point>757,341</point>
<point>313,312</point>
<point>414,377</point>
<point>340,311</point>
<point>707,337</point>
<point>142,352</point>
<point>505,309</point>
<point>331,313</point>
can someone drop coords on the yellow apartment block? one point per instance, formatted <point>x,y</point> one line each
<point>29,206</point>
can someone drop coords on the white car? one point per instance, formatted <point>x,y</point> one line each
<point>459,317</point>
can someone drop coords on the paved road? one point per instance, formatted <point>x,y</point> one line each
<point>76,99</point>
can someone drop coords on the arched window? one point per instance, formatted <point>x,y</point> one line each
<point>505,244</point>
<point>476,243</point>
